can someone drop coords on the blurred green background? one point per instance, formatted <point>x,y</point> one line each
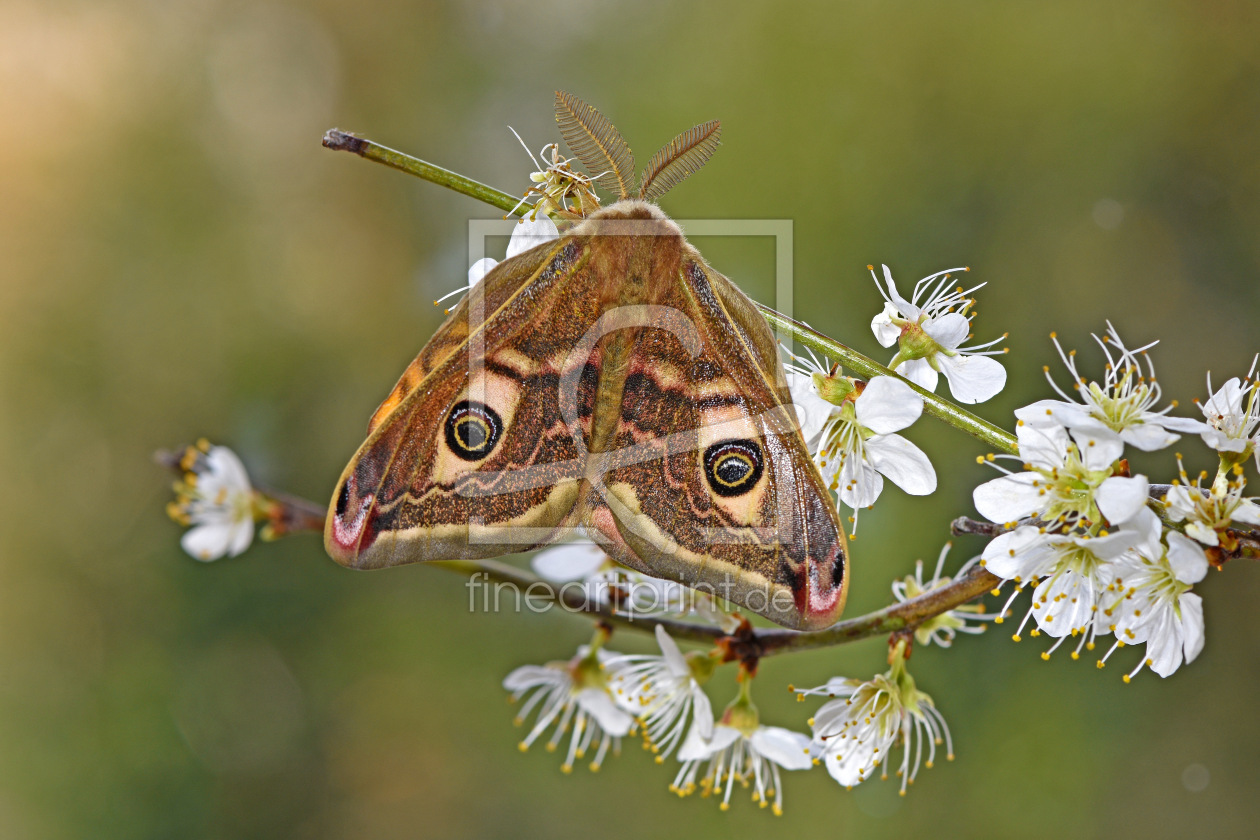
<point>179,257</point>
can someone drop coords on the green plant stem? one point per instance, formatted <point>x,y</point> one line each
<point>938,407</point>
<point>341,141</point>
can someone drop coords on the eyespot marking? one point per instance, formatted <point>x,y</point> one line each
<point>733,467</point>
<point>473,430</point>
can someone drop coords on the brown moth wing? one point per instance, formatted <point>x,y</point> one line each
<point>476,444</point>
<point>770,538</point>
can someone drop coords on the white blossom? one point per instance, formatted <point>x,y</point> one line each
<point>930,335</point>
<point>740,750</point>
<point>1233,417</point>
<point>940,628</point>
<point>1071,574</point>
<point>215,498</point>
<point>856,731</point>
<point>664,693</point>
<point>1066,480</point>
<point>1120,409</point>
<point>571,695</point>
<point>1209,513</point>
<point>1155,605</point>
<point>855,442</point>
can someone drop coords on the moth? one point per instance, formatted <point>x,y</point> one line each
<point>613,381</point>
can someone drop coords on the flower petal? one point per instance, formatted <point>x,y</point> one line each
<point>480,269</point>
<point>1099,446</point>
<point>530,233</point>
<point>528,676</point>
<point>1192,624</point>
<point>1222,442</point>
<point>1164,643</point>
<point>1180,424</point>
<point>903,463</point>
<point>886,332</point>
<point>1187,559</point>
<point>224,464</point>
<point>1042,445</point>
<point>1203,533</point>
<point>973,379</point>
<point>673,657</point>
<point>1120,498</point>
<point>208,541</point>
<point>1148,530</point>
<point>1067,602</point>
<point>920,373</point>
<point>1247,512</point>
<point>695,747</point>
<point>904,306</point>
<point>949,330</point>
<point>569,561</point>
<point>860,484</point>
<point>1041,414</point>
<point>599,704</point>
<point>788,749</point>
<point>1227,400</point>
<point>240,535</point>
<point>887,405</point>
<point>1024,553</point>
<point>701,713</point>
<point>1148,437</point>
<point>1010,497</point>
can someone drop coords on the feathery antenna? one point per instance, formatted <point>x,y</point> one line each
<point>595,142</point>
<point>679,158</point>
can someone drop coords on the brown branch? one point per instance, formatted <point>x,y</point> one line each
<point>745,645</point>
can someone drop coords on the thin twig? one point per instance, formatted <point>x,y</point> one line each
<point>342,141</point>
<point>748,645</point>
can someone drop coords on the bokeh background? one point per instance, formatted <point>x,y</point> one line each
<point>179,257</point>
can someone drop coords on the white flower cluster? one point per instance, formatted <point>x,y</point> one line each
<point>852,427</point>
<point>605,696</point>
<point>1082,532</point>
<point>602,696</point>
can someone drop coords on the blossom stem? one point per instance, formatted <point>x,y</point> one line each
<point>341,141</point>
<point>938,407</point>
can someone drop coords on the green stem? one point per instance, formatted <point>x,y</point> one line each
<point>938,407</point>
<point>342,141</point>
